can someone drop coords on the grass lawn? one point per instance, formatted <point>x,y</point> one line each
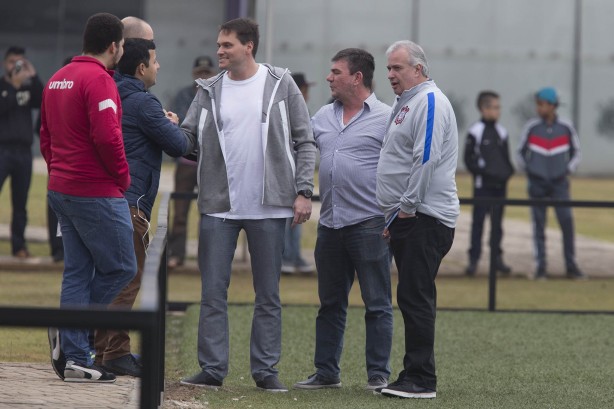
<point>484,360</point>
<point>43,289</point>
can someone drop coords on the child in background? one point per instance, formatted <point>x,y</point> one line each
<point>487,158</point>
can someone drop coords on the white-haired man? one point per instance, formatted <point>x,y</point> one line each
<point>416,190</point>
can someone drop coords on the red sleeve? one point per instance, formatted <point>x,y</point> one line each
<point>105,113</point>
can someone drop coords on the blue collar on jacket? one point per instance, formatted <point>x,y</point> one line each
<point>128,84</point>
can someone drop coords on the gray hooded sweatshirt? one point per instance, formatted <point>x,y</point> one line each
<point>289,147</point>
<point>417,165</point>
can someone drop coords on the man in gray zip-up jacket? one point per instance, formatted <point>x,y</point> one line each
<point>290,147</point>
<point>256,160</point>
<point>417,192</point>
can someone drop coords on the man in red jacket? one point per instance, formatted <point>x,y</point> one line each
<point>81,141</point>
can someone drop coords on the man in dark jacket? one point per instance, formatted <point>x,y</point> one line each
<point>148,131</point>
<point>20,92</point>
<point>487,158</point>
<point>549,151</point>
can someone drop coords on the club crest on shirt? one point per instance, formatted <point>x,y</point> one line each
<point>401,115</point>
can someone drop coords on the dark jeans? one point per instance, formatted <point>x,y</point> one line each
<point>292,244</point>
<point>543,189</point>
<point>419,244</point>
<point>339,253</point>
<point>496,223</point>
<point>185,181</point>
<point>16,162</point>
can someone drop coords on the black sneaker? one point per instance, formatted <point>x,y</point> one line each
<point>406,389</point>
<point>125,365</point>
<point>540,274</point>
<point>81,373</point>
<point>316,381</point>
<point>376,382</point>
<point>472,268</point>
<point>202,379</point>
<point>58,360</point>
<point>501,267</point>
<point>575,274</point>
<point>271,384</point>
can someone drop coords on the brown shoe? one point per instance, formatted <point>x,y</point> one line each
<point>23,253</point>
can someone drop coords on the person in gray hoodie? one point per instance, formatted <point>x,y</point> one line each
<point>256,160</point>
<point>416,189</point>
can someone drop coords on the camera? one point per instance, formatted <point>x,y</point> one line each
<point>18,66</point>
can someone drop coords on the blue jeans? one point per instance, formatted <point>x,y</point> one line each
<point>99,259</point>
<point>216,249</point>
<point>339,253</point>
<point>292,244</point>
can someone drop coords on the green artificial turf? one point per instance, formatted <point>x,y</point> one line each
<point>484,360</point>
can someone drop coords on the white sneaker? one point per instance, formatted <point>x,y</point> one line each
<point>79,373</point>
<point>58,361</point>
<point>287,268</point>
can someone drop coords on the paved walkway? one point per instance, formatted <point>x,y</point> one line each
<point>595,257</point>
<point>36,386</point>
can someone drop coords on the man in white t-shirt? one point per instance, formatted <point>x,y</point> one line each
<point>256,160</point>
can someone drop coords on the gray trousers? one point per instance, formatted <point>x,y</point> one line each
<point>559,189</point>
<point>216,249</point>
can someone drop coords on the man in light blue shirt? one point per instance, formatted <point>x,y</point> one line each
<point>349,134</point>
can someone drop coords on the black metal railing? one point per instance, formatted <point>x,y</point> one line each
<point>148,318</point>
<point>494,202</point>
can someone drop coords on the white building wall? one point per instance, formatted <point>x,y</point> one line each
<point>512,47</point>
<point>183,29</point>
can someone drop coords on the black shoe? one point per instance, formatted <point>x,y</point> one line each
<point>501,267</point>
<point>540,274</point>
<point>202,379</point>
<point>316,381</point>
<point>271,384</point>
<point>79,373</point>
<point>58,360</point>
<point>472,268</point>
<point>575,273</point>
<point>125,365</point>
<point>403,388</point>
<point>376,382</point>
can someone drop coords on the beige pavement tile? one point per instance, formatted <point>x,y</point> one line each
<point>26,385</point>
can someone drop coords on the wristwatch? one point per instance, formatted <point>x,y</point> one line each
<point>305,193</point>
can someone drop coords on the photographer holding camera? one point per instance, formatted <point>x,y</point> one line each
<point>20,92</point>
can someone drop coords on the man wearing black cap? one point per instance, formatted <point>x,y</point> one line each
<point>549,151</point>
<point>185,172</point>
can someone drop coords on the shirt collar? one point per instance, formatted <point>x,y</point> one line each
<point>368,103</point>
